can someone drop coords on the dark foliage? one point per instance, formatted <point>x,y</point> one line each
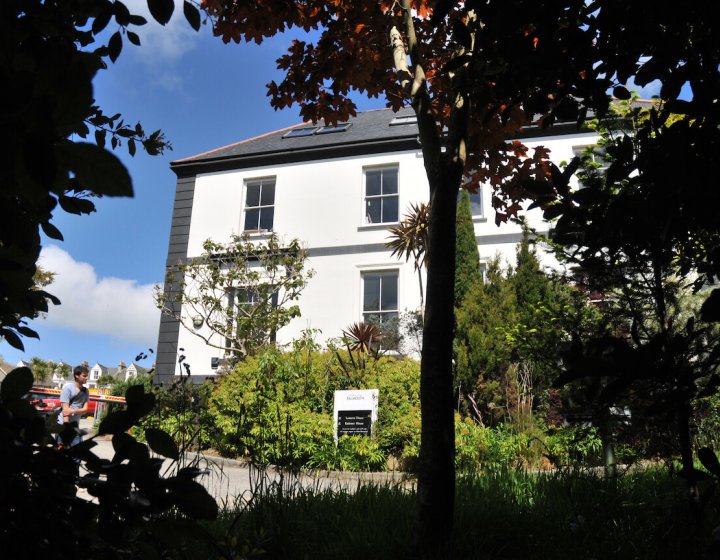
<point>47,113</point>
<point>136,512</point>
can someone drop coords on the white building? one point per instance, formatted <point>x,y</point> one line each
<point>336,189</point>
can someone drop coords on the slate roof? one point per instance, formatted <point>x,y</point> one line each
<point>369,132</point>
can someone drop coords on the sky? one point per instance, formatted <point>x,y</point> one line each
<point>203,94</point>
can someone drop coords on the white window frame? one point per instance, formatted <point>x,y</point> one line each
<point>380,272</point>
<point>484,270</point>
<point>381,196</point>
<point>261,181</point>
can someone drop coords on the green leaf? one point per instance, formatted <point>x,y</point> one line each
<point>17,383</point>
<point>27,331</point>
<point>133,38</point>
<point>115,46</point>
<point>192,15</point>
<point>76,205</point>
<point>102,19</point>
<point>100,137</point>
<point>161,10</point>
<point>709,460</point>
<point>96,169</point>
<point>710,310</point>
<point>138,402</point>
<point>22,409</point>
<point>161,443</point>
<point>134,395</point>
<point>123,441</point>
<point>12,339</point>
<point>116,423</point>
<point>192,498</point>
<point>51,231</point>
<point>621,92</point>
<point>137,20</point>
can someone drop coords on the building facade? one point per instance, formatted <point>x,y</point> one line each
<point>338,190</point>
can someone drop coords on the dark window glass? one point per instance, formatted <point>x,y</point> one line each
<point>266,218</point>
<point>390,185</point>
<point>371,298</point>
<point>252,219</point>
<point>381,196</point>
<point>390,209</point>
<point>259,205</point>
<point>380,296</point>
<point>373,183</point>
<point>253,194</point>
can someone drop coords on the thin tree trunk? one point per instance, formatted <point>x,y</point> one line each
<point>436,476</point>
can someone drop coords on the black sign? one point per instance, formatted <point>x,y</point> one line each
<point>353,423</point>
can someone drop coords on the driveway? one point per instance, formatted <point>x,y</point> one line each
<point>231,481</point>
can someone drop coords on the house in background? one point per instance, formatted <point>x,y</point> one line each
<point>338,190</point>
<point>119,373</point>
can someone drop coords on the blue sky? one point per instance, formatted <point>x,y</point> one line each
<point>203,94</point>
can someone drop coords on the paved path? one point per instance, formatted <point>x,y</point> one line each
<point>230,481</point>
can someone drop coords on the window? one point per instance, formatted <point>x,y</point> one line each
<point>259,205</point>
<point>403,119</point>
<point>476,205</point>
<point>381,195</point>
<point>329,129</point>
<point>297,132</point>
<point>313,130</point>
<point>380,296</point>
<point>249,314</point>
<point>596,159</point>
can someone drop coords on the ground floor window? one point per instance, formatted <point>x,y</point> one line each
<point>380,296</point>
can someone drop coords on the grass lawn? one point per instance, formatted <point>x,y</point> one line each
<point>499,515</point>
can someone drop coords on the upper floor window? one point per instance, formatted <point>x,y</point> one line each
<point>381,195</point>
<point>380,296</point>
<point>596,159</point>
<point>476,204</point>
<point>259,204</point>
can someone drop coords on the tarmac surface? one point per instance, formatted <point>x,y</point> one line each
<point>232,482</point>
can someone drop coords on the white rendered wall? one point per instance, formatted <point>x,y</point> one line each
<point>322,204</point>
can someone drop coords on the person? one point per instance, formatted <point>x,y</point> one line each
<point>74,399</point>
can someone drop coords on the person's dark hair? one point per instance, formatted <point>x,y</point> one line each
<point>80,370</point>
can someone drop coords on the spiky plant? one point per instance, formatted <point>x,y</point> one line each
<point>410,239</point>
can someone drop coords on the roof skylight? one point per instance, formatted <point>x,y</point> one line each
<point>311,130</point>
<point>296,132</point>
<point>341,127</point>
<point>403,119</point>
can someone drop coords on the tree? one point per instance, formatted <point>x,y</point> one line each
<point>474,73</point>
<point>410,239</point>
<point>42,370</point>
<point>625,231</point>
<point>49,61</point>
<point>106,380</point>
<point>482,354</point>
<point>243,292</point>
<point>467,257</point>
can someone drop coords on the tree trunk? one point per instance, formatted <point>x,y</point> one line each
<point>436,477</point>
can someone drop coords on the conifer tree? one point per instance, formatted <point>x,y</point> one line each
<point>467,257</point>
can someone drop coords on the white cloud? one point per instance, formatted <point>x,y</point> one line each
<point>166,44</point>
<point>120,308</point>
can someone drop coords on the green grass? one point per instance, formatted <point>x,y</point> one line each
<point>500,515</point>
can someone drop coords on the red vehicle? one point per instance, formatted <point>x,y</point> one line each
<point>47,405</point>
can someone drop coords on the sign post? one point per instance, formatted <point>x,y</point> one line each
<point>355,412</point>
